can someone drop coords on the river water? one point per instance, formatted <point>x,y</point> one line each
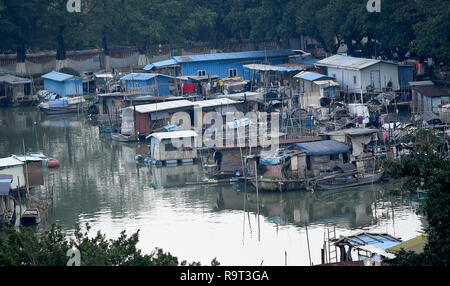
<point>100,183</point>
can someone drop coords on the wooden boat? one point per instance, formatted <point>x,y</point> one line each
<point>123,138</point>
<point>346,181</point>
<point>64,106</point>
<point>30,217</point>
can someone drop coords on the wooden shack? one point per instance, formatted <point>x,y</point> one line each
<point>173,147</point>
<point>321,156</point>
<point>13,89</point>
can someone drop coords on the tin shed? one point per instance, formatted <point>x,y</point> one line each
<point>63,84</point>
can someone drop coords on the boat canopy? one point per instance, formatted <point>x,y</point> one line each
<point>321,148</point>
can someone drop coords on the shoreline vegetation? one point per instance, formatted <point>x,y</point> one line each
<point>23,247</point>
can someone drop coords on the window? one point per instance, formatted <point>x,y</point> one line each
<point>334,157</point>
<point>201,73</point>
<point>232,72</point>
<point>355,79</point>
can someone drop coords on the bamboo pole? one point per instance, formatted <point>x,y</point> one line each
<point>26,171</point>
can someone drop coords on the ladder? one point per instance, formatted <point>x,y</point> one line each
<point>332,250</point>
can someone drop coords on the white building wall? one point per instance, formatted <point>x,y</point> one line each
<point>388,73</point>
<point>346,79</point>
<point>15,171</point>
<point>356,80</point>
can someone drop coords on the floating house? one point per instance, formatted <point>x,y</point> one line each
<point>164,148</point>
<point>321,157</point>
<point>147,83</point>
<point>13,89</point>
<point>223,65</point>
<point>428,98</point>
<point>365,246</point>
<point>358,139</point>
<point>316,89</point>
<point>361,75</point>
<point>63,84</point>
<point>149,117</point>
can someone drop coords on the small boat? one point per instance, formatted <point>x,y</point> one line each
<point>123,138</point>
<point>347,181</point>
<point>30,217</point>
<point>64,105</point>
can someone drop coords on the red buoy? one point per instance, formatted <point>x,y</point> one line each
<point>53,164</point>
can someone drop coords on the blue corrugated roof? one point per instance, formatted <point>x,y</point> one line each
<point>234,56</point>
<point>141,76</point>
<point>312,76</point>
<point>160,64</point>
<point>319,148</point>
<point>57,76</point>
<point>379,241</point>
<point>307,61</point>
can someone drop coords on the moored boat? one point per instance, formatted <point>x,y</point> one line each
<point>30,216</point>
<point>64,105</point>
<point>341,182</point>
<point>123,138</point>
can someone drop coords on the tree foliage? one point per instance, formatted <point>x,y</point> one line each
<point>402,26</point>
<point>25,248</point>
<point>430,172</point>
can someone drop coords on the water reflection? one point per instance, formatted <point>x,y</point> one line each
<point>99,182</point>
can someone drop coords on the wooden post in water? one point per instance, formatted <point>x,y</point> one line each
<point>257,199</point>
<point>18,194</point>
<point>307,239</point>
<point>26,171</point>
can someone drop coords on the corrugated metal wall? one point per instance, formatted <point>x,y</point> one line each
<point>222,68</point>
<point>163,85</point>
<point>142,123</point>
<point>64,88</point>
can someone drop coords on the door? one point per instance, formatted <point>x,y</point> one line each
<point>375,80</point>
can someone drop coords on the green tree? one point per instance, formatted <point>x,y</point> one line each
<point>432,38</point>
<point>23,247</point>
<point>18,20</point>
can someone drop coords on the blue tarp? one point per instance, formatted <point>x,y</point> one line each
<point>170,128</point>
<point>321,148</point>
<point>239,123</point>
<point>58,103</point>
<point>5,184</point>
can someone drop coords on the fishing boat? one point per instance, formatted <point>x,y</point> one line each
<point>64,105</point>
<point>30,216</point>
<point>123,138</point>
<point>350,180</point>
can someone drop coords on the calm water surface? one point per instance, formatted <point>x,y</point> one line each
<point>100,183</point>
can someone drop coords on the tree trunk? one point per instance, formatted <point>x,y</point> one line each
<point>21,50</point>
<point>105,43</point>
<point>61,50</point>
